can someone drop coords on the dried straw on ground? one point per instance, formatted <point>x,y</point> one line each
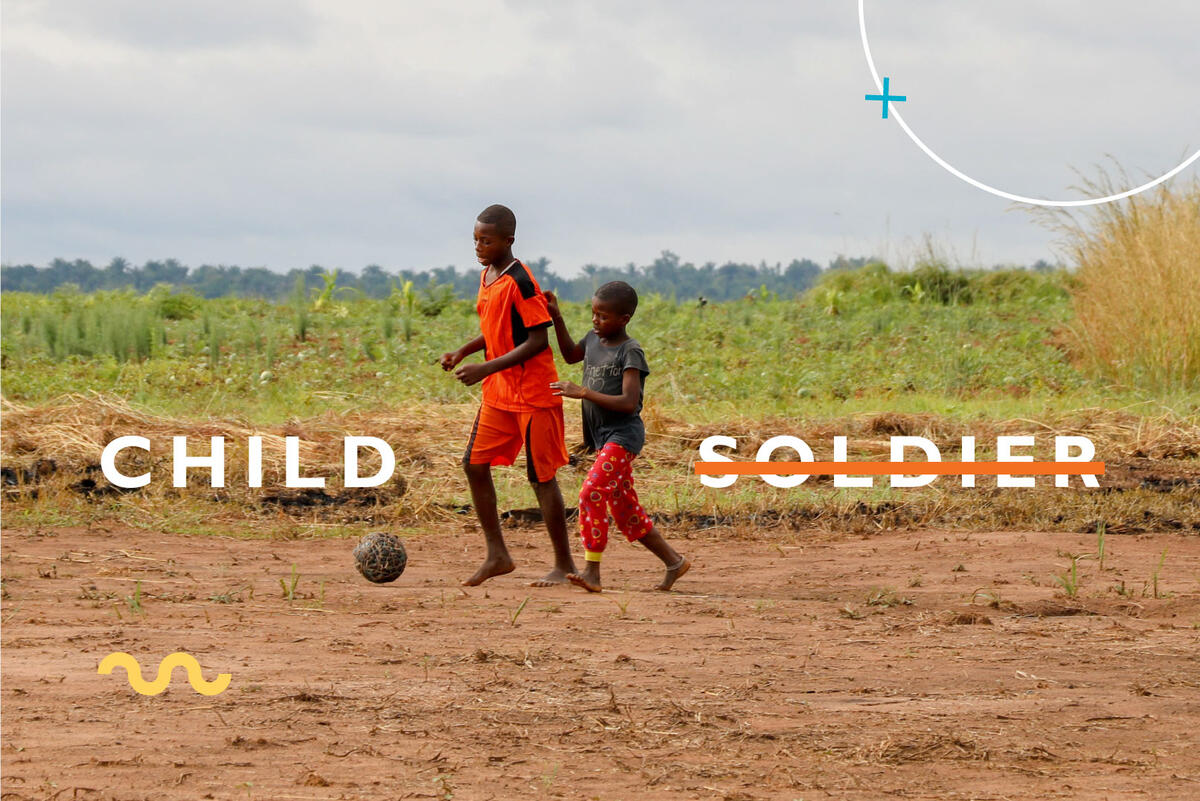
<point>1152,461</point>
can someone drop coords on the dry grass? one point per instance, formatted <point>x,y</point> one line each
<point>1152,483</point>
<point>1118,435</point>
<point>65,439</point>
<point>1137,301</point>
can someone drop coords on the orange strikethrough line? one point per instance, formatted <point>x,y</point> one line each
<point>899,468</point>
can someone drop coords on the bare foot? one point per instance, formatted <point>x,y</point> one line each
<point>491,567</point>
<point>580,581</point>
<point>552,579</point>
<point>589,579</point>
<point>674,573</point>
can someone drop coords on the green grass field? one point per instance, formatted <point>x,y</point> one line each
<point>987,346</point>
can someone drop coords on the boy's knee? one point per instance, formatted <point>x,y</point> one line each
<point>539,487</point>
<point>475,470</point>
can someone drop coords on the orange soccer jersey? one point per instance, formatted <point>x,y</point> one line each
<point>508,308</point>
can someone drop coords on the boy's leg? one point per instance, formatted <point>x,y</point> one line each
<point>493,437</point>
<point>638,527</point>
<point>676,564</point>
<point>545,452</point>
<point>550,501</point>
<point>594,500</point>
<point>483,497</point>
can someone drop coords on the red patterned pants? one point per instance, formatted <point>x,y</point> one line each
<point>609,486</point>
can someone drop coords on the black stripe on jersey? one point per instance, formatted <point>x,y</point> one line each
<point>520,331</point>
<point>523,280</point>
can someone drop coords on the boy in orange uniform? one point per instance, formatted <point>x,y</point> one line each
<point>519,407</point>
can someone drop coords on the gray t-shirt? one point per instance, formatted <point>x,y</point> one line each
<point>603,371</point>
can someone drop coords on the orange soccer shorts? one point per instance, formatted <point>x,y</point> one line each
<point>498,434</point>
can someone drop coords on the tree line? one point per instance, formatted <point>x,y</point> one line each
<point>666,275</point>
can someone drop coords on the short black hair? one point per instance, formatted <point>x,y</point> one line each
<point>501,217</point>
<point>620,295</point>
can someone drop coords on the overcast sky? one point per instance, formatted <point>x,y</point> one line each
<point>283,133</point>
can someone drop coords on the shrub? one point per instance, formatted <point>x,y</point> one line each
<point>173,306</point>
<point>1137,290</point>
<point>936,283</point>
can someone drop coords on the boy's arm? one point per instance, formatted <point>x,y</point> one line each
<point>449,360</point>
<point>572,351</point>
<point>626,402</point>
<point>535,343</point>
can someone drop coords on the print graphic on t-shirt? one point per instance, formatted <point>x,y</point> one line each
<point>603,371</point>
<point>594,375</point>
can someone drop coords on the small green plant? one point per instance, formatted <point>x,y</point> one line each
<point>214,346</point>
<point>832,301</point>
<point>915,291</point>
<point>1100,544</point>
<point>850,612</point>
<point>299,303</point>
<point>319,601</point>
<point>623,602</point>
<point>289,590</point>
<point>990,597</point>
<point>135,600</point>
<point>404,300</point>
<point>1157,569</point>
<point>512,621</point>
<point>1069,580</point>
<point>549,777</point>
<point>325,295</point>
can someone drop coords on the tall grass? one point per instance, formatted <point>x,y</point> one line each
<point>67,324</point>
<point>1137,299</point>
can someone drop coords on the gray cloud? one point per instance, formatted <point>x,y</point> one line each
<point>358,132</point>
<point>173,27</point>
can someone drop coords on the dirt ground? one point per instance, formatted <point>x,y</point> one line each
<point>786,665</point>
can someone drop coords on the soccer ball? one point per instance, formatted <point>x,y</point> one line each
<point>380,557</point>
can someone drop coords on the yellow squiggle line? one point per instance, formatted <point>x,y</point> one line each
<point>169,663</point>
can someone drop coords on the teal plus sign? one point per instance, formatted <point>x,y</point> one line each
<point>885,97</point>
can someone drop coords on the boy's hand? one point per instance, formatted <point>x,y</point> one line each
<point>552,304</point>
<point>567,390</point>
<point>471,374</point>
<point>450,359</point>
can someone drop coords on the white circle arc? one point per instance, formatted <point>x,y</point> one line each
<point>893,112</point>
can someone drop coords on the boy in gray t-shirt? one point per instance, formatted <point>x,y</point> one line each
<point>614,375</point>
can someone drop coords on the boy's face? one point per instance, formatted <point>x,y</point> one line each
<point>607,320</point>
<point>491,245</point>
